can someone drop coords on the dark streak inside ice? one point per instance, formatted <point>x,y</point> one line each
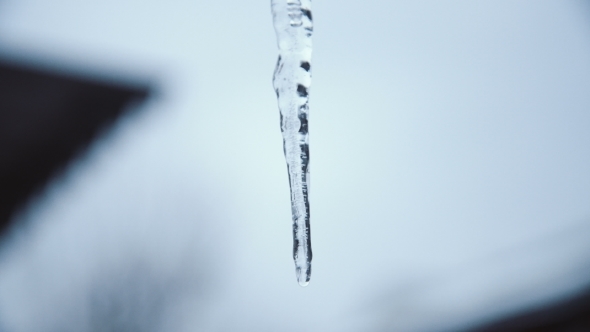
<point>301,90</point>
<point>305,65</point>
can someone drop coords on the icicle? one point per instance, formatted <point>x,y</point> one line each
<point>292,79</point>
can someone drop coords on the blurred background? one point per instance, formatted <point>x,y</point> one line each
<point>450,153</point>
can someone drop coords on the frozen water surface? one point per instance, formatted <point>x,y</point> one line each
<point>292,78</point>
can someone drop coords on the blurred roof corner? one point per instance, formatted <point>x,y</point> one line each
<point>48,116</point>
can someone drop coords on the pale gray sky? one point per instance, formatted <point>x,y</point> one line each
<point>449,143</point>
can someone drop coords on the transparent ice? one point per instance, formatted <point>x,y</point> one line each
<point>292,78</point>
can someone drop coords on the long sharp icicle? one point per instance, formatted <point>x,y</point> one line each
<point>292,78</point>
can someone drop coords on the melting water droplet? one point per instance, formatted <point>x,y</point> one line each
<point>291,80</point>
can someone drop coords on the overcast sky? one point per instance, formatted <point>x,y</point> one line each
<point>450,149</point>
